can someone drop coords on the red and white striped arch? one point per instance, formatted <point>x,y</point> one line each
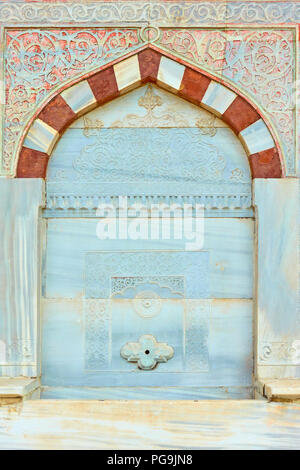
<point>149,65</point>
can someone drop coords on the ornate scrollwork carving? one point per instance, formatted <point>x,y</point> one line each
<point>39,60</point>
<point>177,13</point>
<point>261,62</point>
<point>280,352</point>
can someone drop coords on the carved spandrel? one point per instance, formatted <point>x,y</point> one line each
<point>26,88</point>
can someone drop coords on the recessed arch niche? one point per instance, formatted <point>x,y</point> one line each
<point>104,296</point>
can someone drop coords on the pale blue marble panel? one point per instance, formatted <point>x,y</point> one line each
<point>223,328</point>
<point>227,242</point>
<point>155,148</point>
<point>100,267</point>
<point>147,393</point>
<point>20,202</point>
<point>277,204</point>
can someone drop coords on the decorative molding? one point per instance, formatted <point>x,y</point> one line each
<point>279,353</point>
<point>64,203</point>
<point>197,316</point>
<point>130,287</point>
<point>160,13</point>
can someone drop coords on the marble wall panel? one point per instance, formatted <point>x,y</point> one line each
<point>278,321</point>
<point>20,256</point>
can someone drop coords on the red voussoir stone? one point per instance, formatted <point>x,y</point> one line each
<point>149,61</point>
<point>57,114</point>
<point>266,164</point>
<point>104,85</point>
<point>193,85</point>
<point>240,114</point>
<point>32,164</point>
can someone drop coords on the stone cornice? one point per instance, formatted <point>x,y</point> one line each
<point>155,13</point>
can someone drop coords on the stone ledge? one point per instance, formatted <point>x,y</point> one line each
<point>281,389</point>
<point>16,389</point>
<point>162,425</point>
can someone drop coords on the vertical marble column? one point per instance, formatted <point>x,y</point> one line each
<point>2,94</point>
<point>277,313</point>
<point>20,255</point>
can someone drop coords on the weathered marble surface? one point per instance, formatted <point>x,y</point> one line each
<point>282,390</point>
<point>20,202</point>
<point>148,425</point>
<point>83,335</point>
<point>278,320</point>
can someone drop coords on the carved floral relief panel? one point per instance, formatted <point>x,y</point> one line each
<point>39,61</point>
<point>151,143</point>
<point>259,62</point>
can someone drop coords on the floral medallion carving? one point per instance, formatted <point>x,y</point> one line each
<point>152,145</point>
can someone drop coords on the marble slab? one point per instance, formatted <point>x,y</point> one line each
<point>17,386</point>
<point>218,349</point>
<point>146,393</point>
<point>149,155</point>
<point>277,204</point>
<point>116,425</point>
<point>228,242</point>
<point>20,203</point>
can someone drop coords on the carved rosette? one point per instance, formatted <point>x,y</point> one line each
<point>147,352</point>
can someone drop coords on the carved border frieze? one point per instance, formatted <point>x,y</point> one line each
<point>162,13</point>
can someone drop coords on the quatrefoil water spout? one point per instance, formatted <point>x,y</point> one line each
<point>147,352</point>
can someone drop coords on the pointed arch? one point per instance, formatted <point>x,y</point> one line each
<point>150,65</point>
